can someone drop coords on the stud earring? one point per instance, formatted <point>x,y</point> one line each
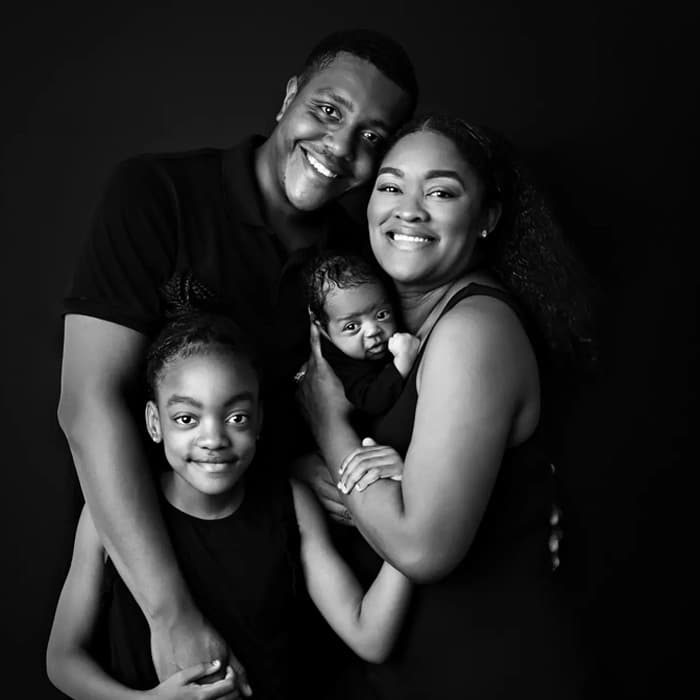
<point>484,233</point>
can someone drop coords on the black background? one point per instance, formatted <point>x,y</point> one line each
<point>597,94</point>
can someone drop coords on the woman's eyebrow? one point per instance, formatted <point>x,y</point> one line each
<point>444,173</point>
<point>390,171</point>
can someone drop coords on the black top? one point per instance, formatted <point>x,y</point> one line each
<point>371,386</point>
<point>493,627</point>
<point>200,213</point>
<point>244,574</point>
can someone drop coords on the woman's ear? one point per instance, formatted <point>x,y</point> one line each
<point>153,422</point>
<point>290,94</point>
<point>493,216</point>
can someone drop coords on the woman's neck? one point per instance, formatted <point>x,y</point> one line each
<point>422,307</point>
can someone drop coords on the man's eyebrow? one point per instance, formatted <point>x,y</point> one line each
<point>342,101</point>
<point>176,398</point>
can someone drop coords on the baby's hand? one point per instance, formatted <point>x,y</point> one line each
<point>404,347</point>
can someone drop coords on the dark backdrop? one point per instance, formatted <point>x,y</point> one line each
<point>598,95</point>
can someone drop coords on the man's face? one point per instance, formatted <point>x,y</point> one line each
<point>331,131</point>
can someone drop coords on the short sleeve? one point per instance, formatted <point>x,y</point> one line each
<point>131,249</point>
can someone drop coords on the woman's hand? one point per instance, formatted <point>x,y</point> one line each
<point>368,464</point>
<point>320,393</point>
<point>184,685</point>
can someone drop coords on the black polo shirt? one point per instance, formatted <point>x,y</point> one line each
<point>200,213</point>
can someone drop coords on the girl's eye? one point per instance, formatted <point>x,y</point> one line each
<point>238,418</point>
<point>186,420</point>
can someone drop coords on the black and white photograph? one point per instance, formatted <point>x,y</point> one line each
<point>350,350</point>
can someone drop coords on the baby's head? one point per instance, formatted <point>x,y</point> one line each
<point>350,303</point>
<point>204,401</point>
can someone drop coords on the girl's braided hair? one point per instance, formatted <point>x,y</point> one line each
<point>195,325</point>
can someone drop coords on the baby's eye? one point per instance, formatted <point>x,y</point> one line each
<point>383,315</point>
<point>350,327</point>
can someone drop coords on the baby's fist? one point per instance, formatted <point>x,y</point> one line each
<point>404,344</point>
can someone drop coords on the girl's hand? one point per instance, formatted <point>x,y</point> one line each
<point>183,685</point>
<point>368,464</point>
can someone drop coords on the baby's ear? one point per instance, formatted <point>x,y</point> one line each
<point>312,316</point>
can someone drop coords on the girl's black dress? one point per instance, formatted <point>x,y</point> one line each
<point>493,628</point>
<point>243,573</point>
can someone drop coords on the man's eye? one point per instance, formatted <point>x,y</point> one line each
<point>329,110</point>
<point>371,137</point>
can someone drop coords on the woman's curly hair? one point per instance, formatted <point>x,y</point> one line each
<point>527,252</point>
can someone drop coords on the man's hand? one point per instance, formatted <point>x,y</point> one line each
<point>186,685</point>
<point>311,469</point>
<point>368,464</point>
<point>188,641</point>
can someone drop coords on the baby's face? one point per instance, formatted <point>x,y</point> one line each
<point>360,321</point>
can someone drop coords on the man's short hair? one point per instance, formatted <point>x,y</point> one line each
<point>383,52</point>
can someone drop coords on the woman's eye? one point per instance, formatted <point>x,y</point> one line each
<point>440,194</point>
<point>391,189</point>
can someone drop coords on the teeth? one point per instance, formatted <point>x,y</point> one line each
<point>410,239</point>
<point>320,167</point>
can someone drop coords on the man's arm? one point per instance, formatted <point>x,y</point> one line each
<point>101,360</point>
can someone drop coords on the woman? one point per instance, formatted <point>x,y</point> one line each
<point>469,520</point>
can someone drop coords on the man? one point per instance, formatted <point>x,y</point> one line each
<point>239,223</point>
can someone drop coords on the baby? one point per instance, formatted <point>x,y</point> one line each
<point>359,337</point>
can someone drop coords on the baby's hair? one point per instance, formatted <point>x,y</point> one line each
<point>194,326</point>
<point>335,271</point>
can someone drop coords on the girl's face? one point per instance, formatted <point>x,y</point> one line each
<point>207,413</point>
<point>426,212</point>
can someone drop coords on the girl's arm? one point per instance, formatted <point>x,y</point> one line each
<point>368,622</point>
<point>69,664</point>
<point>478,393</point>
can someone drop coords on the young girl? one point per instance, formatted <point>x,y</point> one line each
<point>243,540</point>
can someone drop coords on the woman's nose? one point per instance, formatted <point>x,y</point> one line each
<point>410,208</point>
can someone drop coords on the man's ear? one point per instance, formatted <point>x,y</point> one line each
<point>153,422</point>
<point>290,94</point>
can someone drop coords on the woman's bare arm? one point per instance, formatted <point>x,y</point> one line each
<point>478,393</point>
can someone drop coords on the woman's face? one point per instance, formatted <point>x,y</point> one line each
<point>425,212</point>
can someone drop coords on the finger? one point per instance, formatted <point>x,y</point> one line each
<point>337,511</point>
<point>315,342</point>
<point>187,675</point>
<point>369,477</point>
<point>242,677</point>
<point>361,453</point>
<point>369,456</point>
<point>223,688</point>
